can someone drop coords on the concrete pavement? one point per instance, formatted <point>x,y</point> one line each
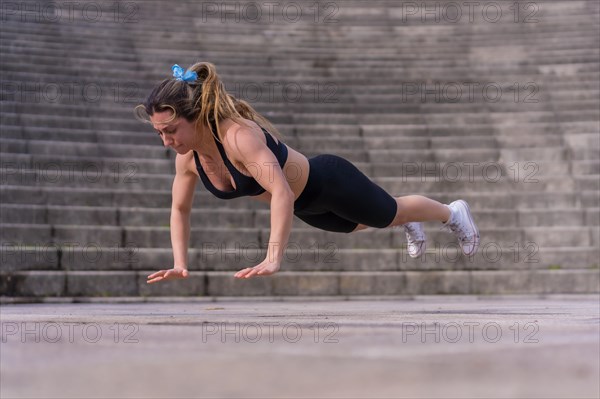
<point>442,346</point>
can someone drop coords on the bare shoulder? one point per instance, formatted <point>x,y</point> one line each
<point>185,163</point>
<point>243,137</point>
<point>235,131</point>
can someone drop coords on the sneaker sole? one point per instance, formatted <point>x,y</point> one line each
<point>422,249</point>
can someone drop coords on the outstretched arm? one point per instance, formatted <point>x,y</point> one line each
<point>282,203</point>
<point>262,164</point>
<point>184,184</point>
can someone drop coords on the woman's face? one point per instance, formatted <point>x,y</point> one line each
<point>179,134</point>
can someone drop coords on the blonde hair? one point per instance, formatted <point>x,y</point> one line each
<point>203,101</point>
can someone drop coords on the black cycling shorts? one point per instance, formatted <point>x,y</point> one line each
<point>338,197</point>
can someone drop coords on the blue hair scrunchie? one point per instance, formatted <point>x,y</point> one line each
<point>188,76</point>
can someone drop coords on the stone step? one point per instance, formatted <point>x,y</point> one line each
<point>458,178</point>
<point>531,139</point>
<point>587,167</point>
<point>584,146</point>
<point>111,144</point>
<point>579,94</point>
<point>83,122</point>
<point>84,165</point>
<point>591,183</point>
<point>354,11</point>
<point>114,144</point>
<point>233,55</point>
<point>133,283</point>
<point>303,99</point>
<point>79,136</point>
<point>445,165</point>
<point>575,127</point>
<point>233,63</point>
<point>453,36</point>
<point>432,68</point>
<point>162,198</point>
<point>248,36</point>
<point>351,15</point>
<point>321,118</point>
<point>126,88</point>
<point>247,218</point>
<point>582,154</point>
<point>513,171</point>
<point>89,197</point>
<point>108,216</point>
<point>121,136</point>
<point>247,44</point>
<point>331,131</point>
<point>121,153</point>
<point>519,86</point>
<point>13,141</point>
<point>469,155</point>
<point>557,154</point>
<point>297,117</point>
<point>32,94</point>
<point>360,34</point>
<point>85,149</point>
<point>74,256</point>
<point>159,237</point>
<point>422,129</point>
<point>430,62</point>
<point>118,97</point>
<point>52,87</point>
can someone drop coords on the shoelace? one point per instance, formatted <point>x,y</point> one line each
<point>415,235</point>
<point>458,229</point>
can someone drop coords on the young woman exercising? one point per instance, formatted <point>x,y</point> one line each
<point>236,152</point>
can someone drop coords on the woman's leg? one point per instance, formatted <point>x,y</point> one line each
<point>349,197</point>
<point>416,208</point>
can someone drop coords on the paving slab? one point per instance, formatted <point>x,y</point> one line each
<point>404,347</point>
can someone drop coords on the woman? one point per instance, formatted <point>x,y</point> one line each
<point>223,141</point>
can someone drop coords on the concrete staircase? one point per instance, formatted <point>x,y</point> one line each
<point>503,114</point>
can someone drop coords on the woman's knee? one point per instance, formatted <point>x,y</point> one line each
<point>402,216</point>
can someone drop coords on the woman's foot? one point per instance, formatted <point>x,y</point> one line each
<point>461,224</point>
<point>416,239</point>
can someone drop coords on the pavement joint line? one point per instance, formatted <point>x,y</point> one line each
<point>4,301</point>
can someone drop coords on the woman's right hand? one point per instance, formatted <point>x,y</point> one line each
<point>170,274</point>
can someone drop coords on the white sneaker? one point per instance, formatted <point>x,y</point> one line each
<point>416,239</point>
<point>462,225</point>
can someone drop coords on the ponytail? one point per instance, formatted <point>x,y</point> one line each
<point>201,102</point>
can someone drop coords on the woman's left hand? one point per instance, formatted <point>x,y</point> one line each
<point>265,268</point>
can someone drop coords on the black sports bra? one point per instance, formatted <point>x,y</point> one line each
<point>244,185</point>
